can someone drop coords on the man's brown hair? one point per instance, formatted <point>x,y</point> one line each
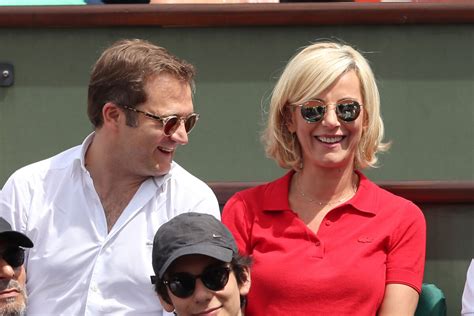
<point>121,72</point>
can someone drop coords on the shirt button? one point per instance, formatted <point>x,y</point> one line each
<point>94,288</point>
<point>327,223</point>
<point>317,244</point>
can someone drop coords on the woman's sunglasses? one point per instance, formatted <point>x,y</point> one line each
<point>172,122</point>
<point>14,256</point>
<point>182,284</point>
<point>314,110</point>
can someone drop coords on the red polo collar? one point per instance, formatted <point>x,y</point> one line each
<point>276,195</point>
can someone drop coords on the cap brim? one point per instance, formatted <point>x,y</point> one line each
<point>217,252</point>
<point>16,238</point>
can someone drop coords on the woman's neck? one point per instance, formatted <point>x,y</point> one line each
<point>325,185</point>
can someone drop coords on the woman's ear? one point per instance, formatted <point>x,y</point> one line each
<point>365,122</point>
<point>245,286</point>
<point>168,306</point>
<point>289,117</point>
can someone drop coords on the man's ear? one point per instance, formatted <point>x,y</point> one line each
<point>167,306</point>
<point>111,113</point>
<point>245,287</point>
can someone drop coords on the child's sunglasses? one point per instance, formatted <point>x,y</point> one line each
<point>314,110</point>
<point>14,256</point>
<point>182,284</point>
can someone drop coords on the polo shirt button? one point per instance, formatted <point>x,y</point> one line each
<point>317,244</point>
<point>327,223</point>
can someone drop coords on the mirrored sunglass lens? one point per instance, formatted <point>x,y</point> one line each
<point>348,111</point>
<point>182,284</point>
<point>171,125</point>
<point>15,257</point>
<point>215,278</point>
<point>190,123</point>
<point>312,113</point>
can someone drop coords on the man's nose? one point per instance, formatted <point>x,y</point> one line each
<point>180,136</point>
<point>6,270</point>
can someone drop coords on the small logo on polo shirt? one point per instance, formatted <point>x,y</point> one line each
<point>365,239</point>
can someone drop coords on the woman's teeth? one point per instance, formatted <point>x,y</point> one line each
<point>330,140</point>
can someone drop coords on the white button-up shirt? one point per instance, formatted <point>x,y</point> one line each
<point>468,295</point>
<point>77,267</point>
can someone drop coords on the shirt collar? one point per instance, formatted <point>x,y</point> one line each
<point>84,146</point>
<point>276,195</point>
<point>364,200</point>
<point>159,181</point>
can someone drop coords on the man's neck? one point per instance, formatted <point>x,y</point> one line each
<point>114,187</point>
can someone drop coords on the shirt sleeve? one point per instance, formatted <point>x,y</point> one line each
<point>235,216</point>
<point>468,295</point>
<point>407,248</point>
<point>14,202</point>
<point>208,204</point>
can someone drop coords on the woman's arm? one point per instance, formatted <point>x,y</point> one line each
<point>405,263</point>
<point>399,300</point>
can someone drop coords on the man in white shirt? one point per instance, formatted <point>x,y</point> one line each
<point>468,295</point>
<point>12,271</point>
<point>94,209</point>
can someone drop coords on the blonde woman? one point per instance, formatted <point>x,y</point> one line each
<point>325,240</point>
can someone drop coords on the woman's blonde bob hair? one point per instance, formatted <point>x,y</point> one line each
<point>309,73</point>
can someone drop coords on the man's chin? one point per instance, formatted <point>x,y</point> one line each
<point>157,173</point>
<point>162,169</point>
<point>13,309</point>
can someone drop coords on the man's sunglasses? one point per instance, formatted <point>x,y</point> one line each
<point>182,284</point>
<point>14,256</point>
<point>171,122</point>
<point>314,110</point>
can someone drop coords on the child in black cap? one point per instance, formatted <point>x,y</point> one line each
<point>198,268</point>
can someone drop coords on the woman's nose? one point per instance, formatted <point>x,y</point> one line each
<point>330,118</point>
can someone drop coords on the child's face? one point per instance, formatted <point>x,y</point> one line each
<point>205,301</point>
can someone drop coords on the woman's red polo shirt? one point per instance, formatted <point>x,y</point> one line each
<point>373,239</point>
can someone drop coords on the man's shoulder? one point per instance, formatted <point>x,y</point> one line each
<point>183,177</point>
<point>189,193</point>
<point>185,181</point>
<point>57,162</point>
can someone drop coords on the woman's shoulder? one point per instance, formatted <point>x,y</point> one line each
<point>277,186</point>
<point>383,199</point>
<point>267,196</point>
